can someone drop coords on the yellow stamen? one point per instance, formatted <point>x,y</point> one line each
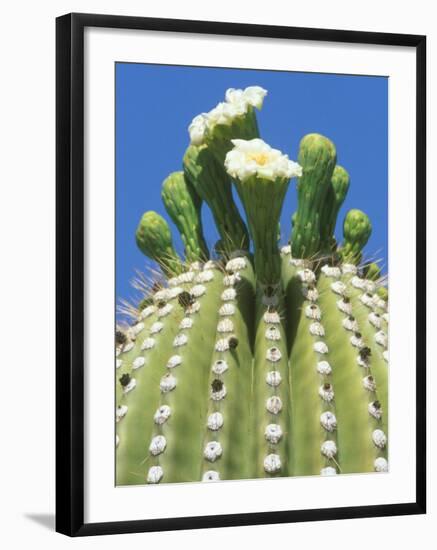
<point>259,158</point>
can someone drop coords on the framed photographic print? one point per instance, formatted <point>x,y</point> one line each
<point>240,274</point>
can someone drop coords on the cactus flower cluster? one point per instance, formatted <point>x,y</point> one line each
<point>257,359</point>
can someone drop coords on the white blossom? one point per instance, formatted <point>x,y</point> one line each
<point>320,347</point>
<point>285,250</point>
<point>215,421</point>
<point>381,338</point>
<point>156,327</point>
<point>272,317</point>
<point>219,367</point>
<point>157,445</point>
<point>164,311</point>
<point>273,433</point>
<point>380,464</point>
<point>331,271</point>
<point>236,264</point>
<point>174,361</point>
<point>273,355</point>
<point>316,329</point>
<point>225,325</point>
<point>227,310</point>
<point>273,333</point>
<point>186,323</point>
<point>254,157</point>
<point>312,311</point>
<point>211,476</point>
<point>120,412</point>
<point>375,410</point>
<point>328,421</point>
<point>205,276</point>
<point>326,392</point>
<point>274,404</point>
<point>306,276</point>
<point>323,367</point>
<point>344,306</point>
<point>147,312</point>
<point>379,439</point>
<point>162,414</point>
<point>198,290</point>
<point>229,294</point>
<point>328,471</point>
<point>350,323</point>
<point>148,343</point>
<point>273,378</point>
<point>338,287</point>
<point>349,269</point>
<point>328,449</point>
<point>168,383</point>
<point>180,340</point>
<point>369,383</point>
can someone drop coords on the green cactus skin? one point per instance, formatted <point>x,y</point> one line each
<point>183,206</point>
<point>271,395</point>
<point>356,450</point>
<point>153,237</point>
<point>372,271</point>
<point>334,199</point>
<point>255,193</point>
<point>235,435</point>
<point>182,458</point>
<point>135,428</point>
<point>211,182</point>
<point>307,434</point>
<point>356,231</point>
<point>317,156</point>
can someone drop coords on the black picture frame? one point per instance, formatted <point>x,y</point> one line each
<point>70,273</point>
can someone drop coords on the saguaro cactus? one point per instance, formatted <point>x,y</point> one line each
<point>254,365</point>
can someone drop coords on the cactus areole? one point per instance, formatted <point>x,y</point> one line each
<point>258,358</point>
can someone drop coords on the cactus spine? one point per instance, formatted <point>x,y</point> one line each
<point>254,365</point>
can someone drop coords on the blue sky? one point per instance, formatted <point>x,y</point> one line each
<point>155,104</point>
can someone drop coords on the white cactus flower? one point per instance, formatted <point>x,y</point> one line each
<point>331,271</point>
<point>157,445</point>
<point>173,281</point>
<point>320,347</point>
<point>186,323</point>
<point>338,287</point>
<point>328,421</point>
<point>316,329</point>
<point>219,367</point>
<point>273,333</point>
<point>312,311</point>
<point>168,383</point>
<point>379,302</point>
<point>381,338</point>
<point>215,421</point>
<point>128,347</point>
<point>328,471</point>
<point>229,294</point>
<point>180,340</point>
<point>344,307</point>
<point>297,262</point>
<point>379,438</point>
<point>326,392</point>
<point>350,323</point>
<point>155,474</point>
<point>120,412</point>
<point>385,316</point>
<point>369,383</point>
<point>225,325</point>
<point>162,415</point>
<point>209,265</point>
<point>380,464</point>
<point>286,250</point>
<point>375,410</point>
<point>306,276</point>
<point>227,310</point>
<point>385,355</point>
<point>274,404</point>
<point>148,343</point>
<point>147,312</point>
<point>255,157</point>
<point>273,378</point>
<point>375,319</point>
<point>358,282</point>
<point>236,264</point>
<point>198,290</point>
<point>205,276</point>
<point>349,269</point>
<point>252,95</point>
<point>213,450</point>
<point>272,463</point>
<point>323,367</point>
<point>174,361</point>
<point>211,476</point>
<point>273,355</point>
<point>273,433</point>
<point>156,327</point>
<point>118,363</point>
<point>272,317</point>
<point>328,449</point>
<point>164,311</point>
